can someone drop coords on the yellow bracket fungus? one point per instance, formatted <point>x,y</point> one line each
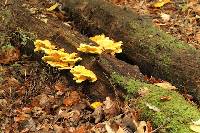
<point>56,58</point>
<point>89,49</point>
<point>81,74</point>
<point>40,45</point>
<point>60,59</point>
<point>104,44</point>
<point>107,45</point>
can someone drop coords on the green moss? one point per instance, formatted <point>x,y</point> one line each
<point>176,114</point>
<point>25,37</point>
<point>104,61</point>
<point>7,47</point>
<point>156,36</point>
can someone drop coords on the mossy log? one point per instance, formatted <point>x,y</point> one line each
<point>109,70</point>
<point>172,116</point>
<point>154,51</point>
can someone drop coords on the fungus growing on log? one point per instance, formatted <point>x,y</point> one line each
<point>81,74</point>
<point>104,45</point>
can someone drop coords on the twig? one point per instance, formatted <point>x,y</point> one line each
<point>6,2</point>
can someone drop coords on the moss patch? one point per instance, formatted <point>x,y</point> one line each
<point>175,114</point>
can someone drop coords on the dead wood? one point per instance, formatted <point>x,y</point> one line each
<point>155,52</point>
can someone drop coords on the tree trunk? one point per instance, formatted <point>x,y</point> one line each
<point>155,52</point>
<point>112,73</point>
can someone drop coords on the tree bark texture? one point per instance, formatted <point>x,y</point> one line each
<point>154,51</point>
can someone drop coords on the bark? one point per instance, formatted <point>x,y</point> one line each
<point>112,73</point>
<point>155,52</point>
<point>24,27</point>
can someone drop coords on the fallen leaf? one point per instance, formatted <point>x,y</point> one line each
<point>108,128</point>
<point>120,130</point>
<point>95,105</point>
<point>165,17</point>
<point>141,127</point>
<point>73,98</point>
<point>195,128</point>
<point>110,107</point>
<point>82,129</point>
<point>143,91</point>
<point>73,115</point>
<point>53,7</point>
<point>154,108</point>
<point>58,129</point>
<point>8,54</point>
<point>166,85</point>
<point>165,98</point>
<point>45,20</point>
<point>60,86</point>
<point>197,36</point>
<point>21,117</point>
<point>196,122</point>
<point>161,3</point>
<point>98,114</point>
<point>152,80</point>
<point>149,127</point>
<point>3,103</point>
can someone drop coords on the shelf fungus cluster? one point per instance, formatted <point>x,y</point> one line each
<point>62,60</point>
<point>104,45</point>
<point>81,74</point>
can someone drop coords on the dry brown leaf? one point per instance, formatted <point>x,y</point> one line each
<point>197,36</point>
<point>108,128</point>
<point>21,117</point>
<point>82,129</point>
<point>166,85</point>
<point>149,127</point>
<point>197,122</point>
<point>9,54</point>
<point>154,108</point>
<point>165,98</point>
<point>58,129</point>
<point>195,128</point>
<point>98,114</point>
<point>165,17</point>
<point>143,91</point>
<point>60,86</point>
<point>142,127</point>
<point>74,98</point>
<point>120,130</point>
<point>110,107</point>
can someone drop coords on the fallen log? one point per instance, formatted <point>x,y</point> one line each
<point>109,71</point>
<point>173,115</point>
<point>155,52</point>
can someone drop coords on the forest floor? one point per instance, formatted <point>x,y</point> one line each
<point>38,98</point>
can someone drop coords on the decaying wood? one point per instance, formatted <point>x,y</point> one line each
<point>106,67</point>
<point>23,22</point>
<point>155,52</point>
